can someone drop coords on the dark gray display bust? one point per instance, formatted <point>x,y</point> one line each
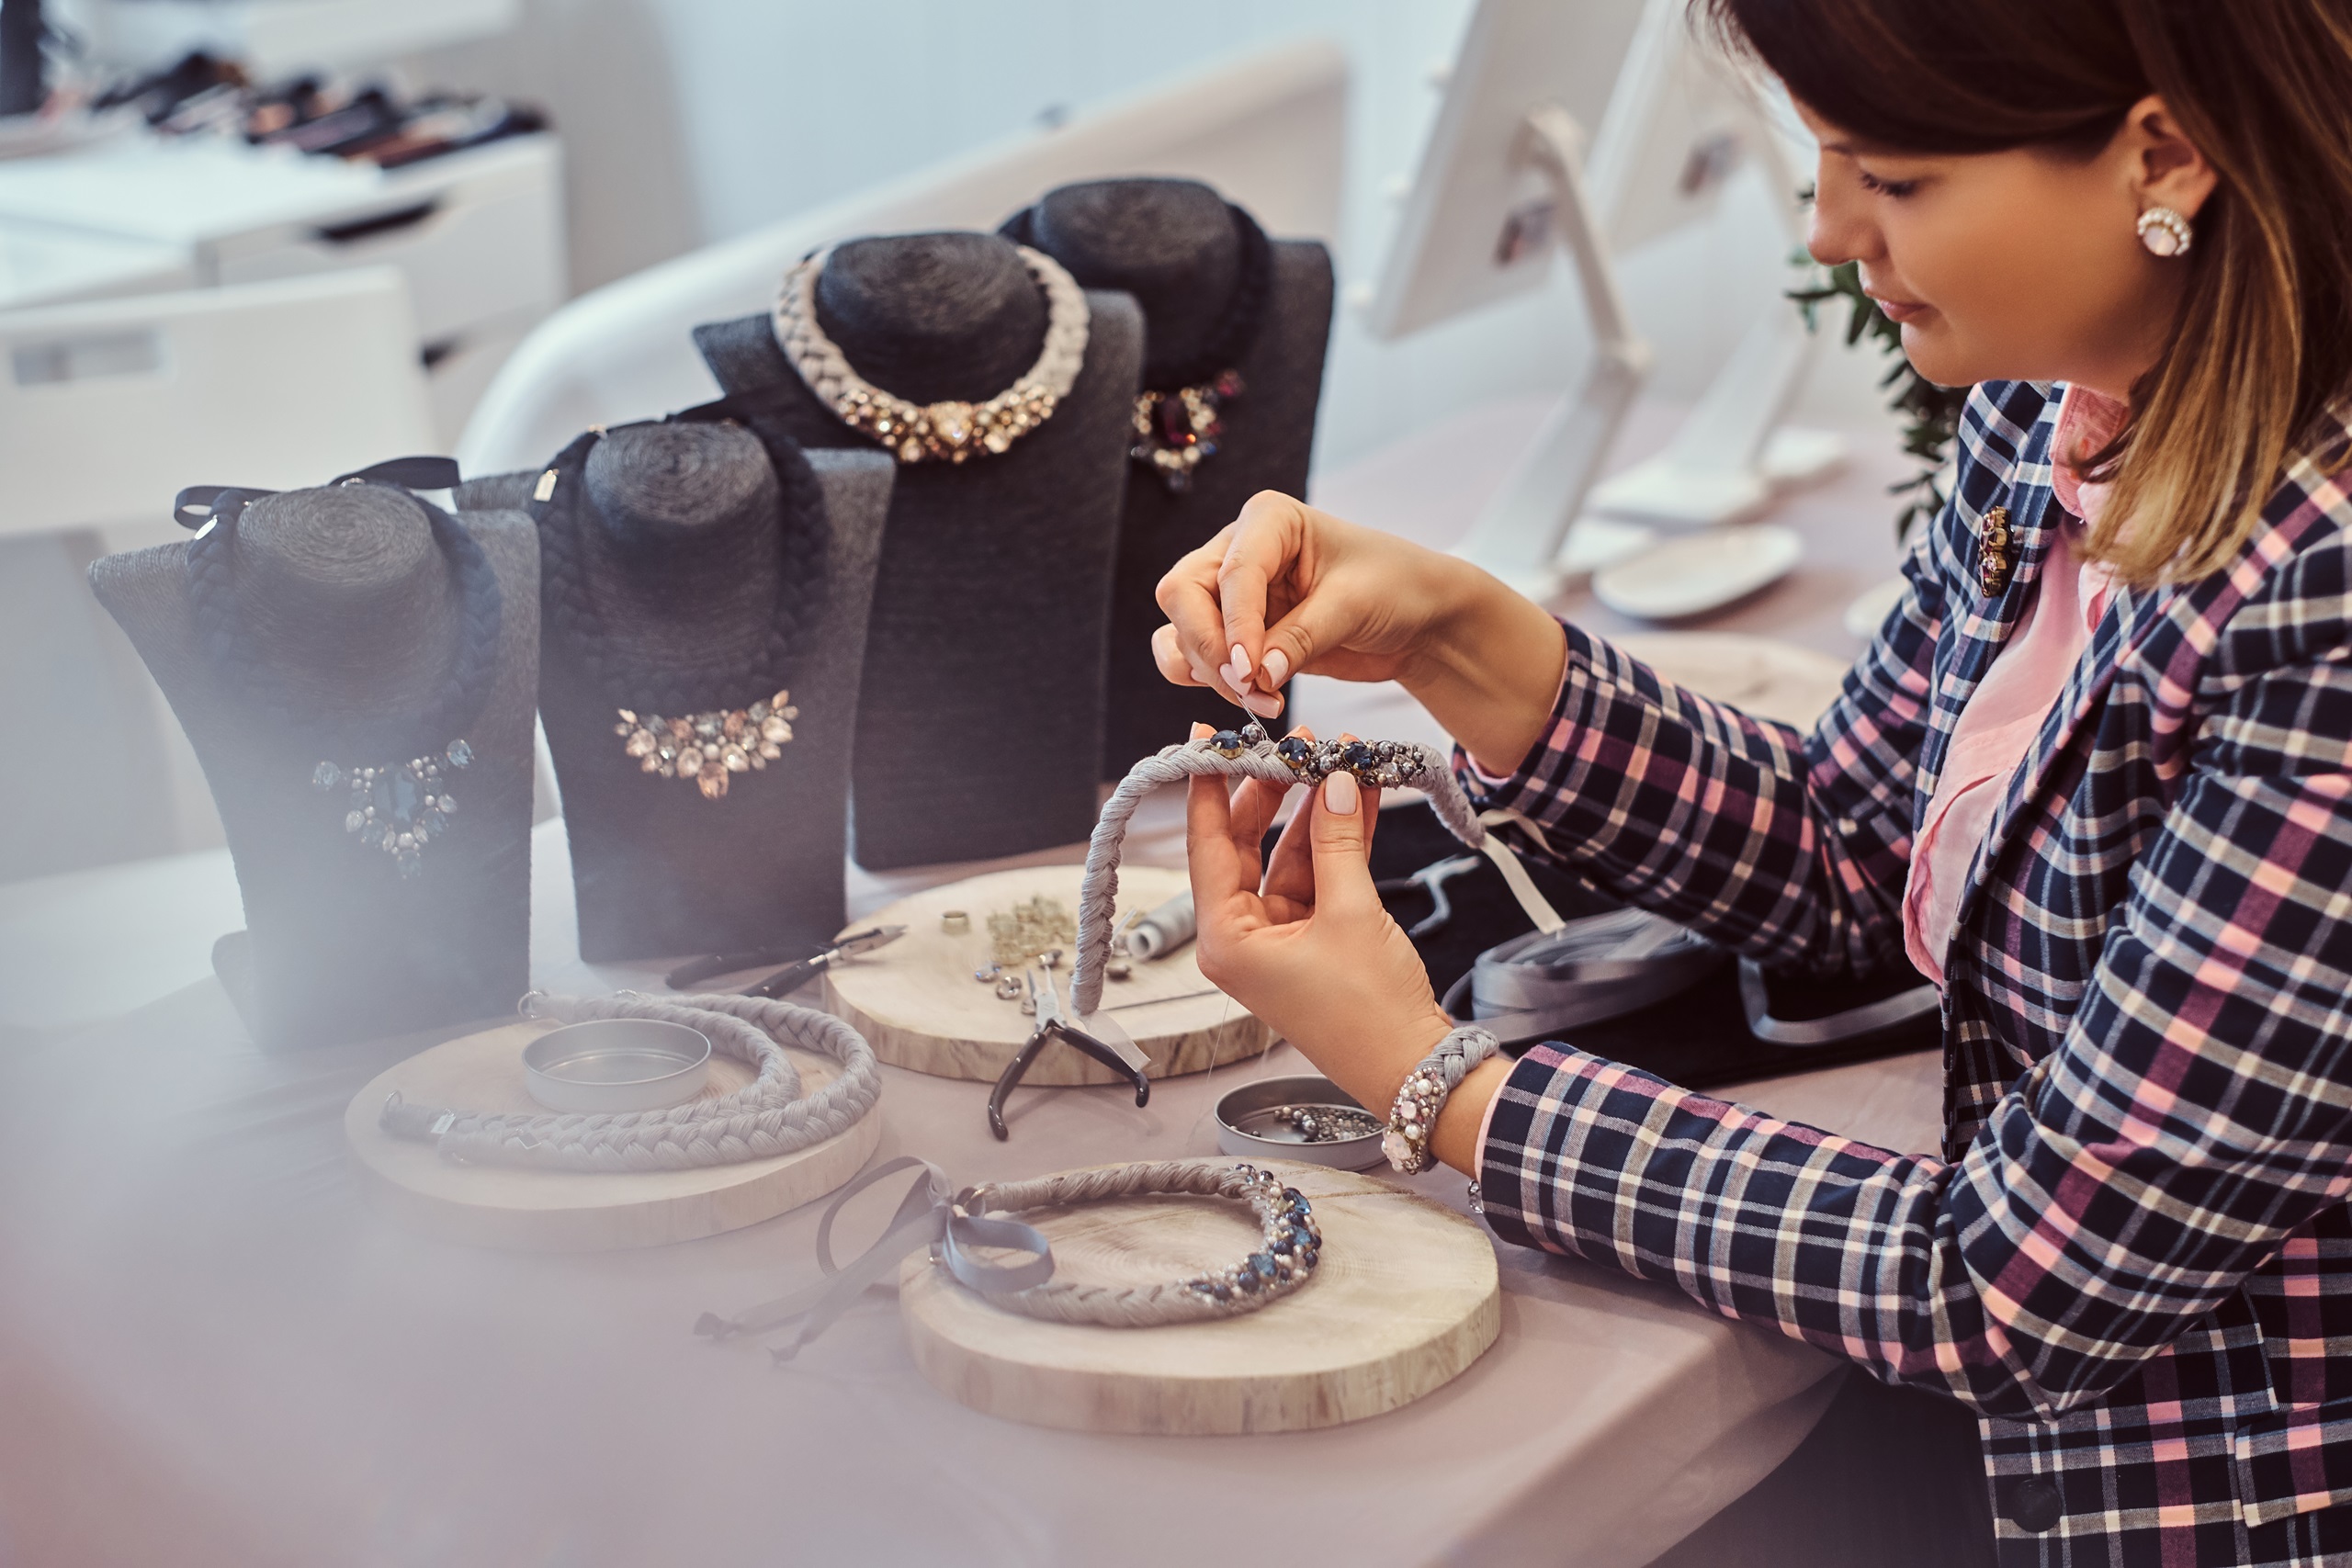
<point>345,593</point>
<point>981,726</point>
<point>680,551</point>
<point>1174,246</point>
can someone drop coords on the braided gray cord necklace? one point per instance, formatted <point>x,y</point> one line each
<point>767,1117</point>
<point>1250,753</point>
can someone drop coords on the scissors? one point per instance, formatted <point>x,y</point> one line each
<point>1103,1039</point>
<point>1432,879</point>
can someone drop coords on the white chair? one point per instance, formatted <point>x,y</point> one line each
<point>108,407</point>
<point>1269,131</point>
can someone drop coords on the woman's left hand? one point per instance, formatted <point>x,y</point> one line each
<point>1303,942</point>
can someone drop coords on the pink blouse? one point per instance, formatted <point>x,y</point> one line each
<point>2007,711</point>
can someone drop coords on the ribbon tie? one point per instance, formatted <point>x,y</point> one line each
<point>201,507</point>
<point>927,1217</point>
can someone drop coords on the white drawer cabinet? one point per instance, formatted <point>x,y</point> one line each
<point>478,233</point>
<point>477,248</point>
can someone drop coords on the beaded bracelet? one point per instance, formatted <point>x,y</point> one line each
<point>1423,1094</point>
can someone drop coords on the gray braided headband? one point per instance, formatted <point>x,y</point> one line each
<point>1250,753</point>
<point>765,1118</point>
<point>1292,1244</point>
<point>954,1229</point>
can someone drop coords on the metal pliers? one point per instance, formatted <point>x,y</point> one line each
<point>1106,1043</point>
<point>1432,879</point>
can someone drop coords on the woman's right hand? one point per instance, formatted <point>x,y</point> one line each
<point>1286,589</point>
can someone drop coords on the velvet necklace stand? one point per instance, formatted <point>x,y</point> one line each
<point>345,593</point>
<point>980,723</point>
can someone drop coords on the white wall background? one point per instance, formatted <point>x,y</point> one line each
<point>693,120</point>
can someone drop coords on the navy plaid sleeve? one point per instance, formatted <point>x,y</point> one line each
<point>2197,1110</point>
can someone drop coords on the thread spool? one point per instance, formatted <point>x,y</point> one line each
<point>1165,928</point>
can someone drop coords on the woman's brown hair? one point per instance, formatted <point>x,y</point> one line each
<point>2263,343</point>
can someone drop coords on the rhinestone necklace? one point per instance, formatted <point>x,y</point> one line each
<point>677,723</point>
<point>397,796</point>
<point>1179,417</point>
<point>949,431</point>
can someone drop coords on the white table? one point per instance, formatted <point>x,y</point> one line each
<point>212,1351</point>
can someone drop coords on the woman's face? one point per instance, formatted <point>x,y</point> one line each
<point>2018,265</point>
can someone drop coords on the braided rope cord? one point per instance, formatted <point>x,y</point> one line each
<point>212,567</point>
<point>1235,330</point>
<point>770,1116</point>
<point>1246,754</point>
<point>951,430</point>
<point>571,609</point>
<point>1292,1244</point>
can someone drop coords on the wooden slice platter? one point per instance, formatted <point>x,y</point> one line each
<point>563,1210</point>
<point>916,1002</point>
<point>1406,1297</point>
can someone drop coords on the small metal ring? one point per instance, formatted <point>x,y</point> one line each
<point>529,1004</point>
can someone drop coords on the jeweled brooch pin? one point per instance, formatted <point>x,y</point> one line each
<point>709,747</point>
<point>1995,557</point>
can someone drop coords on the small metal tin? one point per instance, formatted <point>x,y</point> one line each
<point>617,1064</point>
<point>1244,1128</point>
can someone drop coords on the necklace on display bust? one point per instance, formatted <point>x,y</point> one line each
<point>1180,415</point>
<point>948,431</point>
<point>397,796</point>
<point>680,723</point>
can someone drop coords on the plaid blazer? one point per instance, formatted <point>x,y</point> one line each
<point>2132,1258</point>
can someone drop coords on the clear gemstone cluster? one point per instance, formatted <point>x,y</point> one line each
<point>950,431</point>
<point>1175,431</point>
<point>397,807</point>
<point>709,748</point>
<point>1381,765</point>
<point>1293,1241</point>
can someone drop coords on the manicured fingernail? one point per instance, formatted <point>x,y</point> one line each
<point>1339,795</point>
<point>1303,732</point>
<point>1275,668</point>
<point>1265,704</point>
<point>1240,662</point>
<point>1202,731</point>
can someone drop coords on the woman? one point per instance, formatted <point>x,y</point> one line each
<point>2093,774</point>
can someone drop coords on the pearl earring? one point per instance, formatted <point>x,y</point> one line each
<point>2165,233</point>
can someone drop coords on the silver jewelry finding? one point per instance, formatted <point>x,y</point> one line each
<point>1423,1094</point>
<point>2165,232</point>
<point>950,431</point>
<point>1326,1123</point>
<point>708,747</point>
<point>955,923</point>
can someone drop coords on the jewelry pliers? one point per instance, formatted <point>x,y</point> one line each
<point>1111,1047</point>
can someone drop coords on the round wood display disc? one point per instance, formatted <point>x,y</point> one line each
<point>565,1211</point>
<point>916,1002</point>
<point>1405,1298</point>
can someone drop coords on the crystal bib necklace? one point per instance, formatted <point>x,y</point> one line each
<point>392,770</point>
<point>950,431</point>
<point>1179,419</point>
<point>689,723</point>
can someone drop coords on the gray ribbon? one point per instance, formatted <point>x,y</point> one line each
<point>1602,966</point>
<point>927,1217</point>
